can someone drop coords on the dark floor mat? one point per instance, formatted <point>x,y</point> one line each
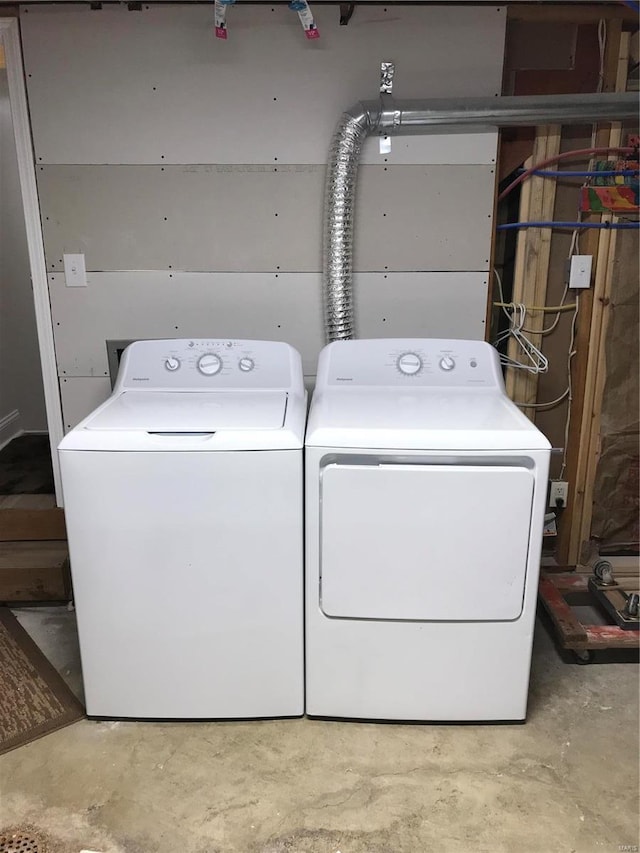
<point>25,466</point>
<point>34,700</point>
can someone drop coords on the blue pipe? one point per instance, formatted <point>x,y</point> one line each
<point>623,173</point>
<point>630,4</point>
<point>618,226</point>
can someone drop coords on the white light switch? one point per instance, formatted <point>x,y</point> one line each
<point>580,271</point>
<point>75,273</point>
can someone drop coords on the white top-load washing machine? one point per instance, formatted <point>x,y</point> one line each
<point>425,498</point>
<point>183,501</point>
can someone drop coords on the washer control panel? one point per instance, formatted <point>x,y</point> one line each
<point>411,362</point>
<point>202,364</point>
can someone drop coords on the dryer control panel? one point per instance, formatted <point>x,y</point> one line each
<point>401,362</point>
<point>201,364</point>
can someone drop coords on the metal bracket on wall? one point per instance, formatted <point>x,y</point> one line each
<point>387,71</point>
<point>346,13</point>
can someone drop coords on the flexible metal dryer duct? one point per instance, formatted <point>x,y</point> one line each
<point>387,116</point>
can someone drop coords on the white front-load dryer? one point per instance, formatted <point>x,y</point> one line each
<point>425,498</point>
<point>183,502</point>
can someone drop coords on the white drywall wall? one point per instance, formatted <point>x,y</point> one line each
<point>245,306</point>
<point>21,388</point>
<point>190,172</point>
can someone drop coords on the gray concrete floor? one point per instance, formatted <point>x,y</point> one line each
<point>565,781</point>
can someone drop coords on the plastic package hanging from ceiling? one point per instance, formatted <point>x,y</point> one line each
<point>339,201</point>
<point>221,7</point>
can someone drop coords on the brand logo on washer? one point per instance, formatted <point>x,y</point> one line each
<point>140,379</point>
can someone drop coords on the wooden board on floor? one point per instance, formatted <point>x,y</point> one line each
<point>31,517</point>
<point>34,571</point>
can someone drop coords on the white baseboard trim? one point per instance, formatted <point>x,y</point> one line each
<point>10,428</point>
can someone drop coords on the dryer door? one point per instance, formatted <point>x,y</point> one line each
<point>424,542</point>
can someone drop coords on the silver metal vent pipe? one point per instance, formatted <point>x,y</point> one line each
<point>389,117</point>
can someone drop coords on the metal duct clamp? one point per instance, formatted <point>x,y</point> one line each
<point>389,117</point>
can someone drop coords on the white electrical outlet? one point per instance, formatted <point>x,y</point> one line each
<point>75,272</point>
<point>580,272</point>
<point>558,493</point>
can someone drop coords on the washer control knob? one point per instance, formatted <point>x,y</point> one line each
<point>209,364</point>
<point>409,363</point>
<point>246,365</point>
<point>447,363</point>
<point>172,363</point>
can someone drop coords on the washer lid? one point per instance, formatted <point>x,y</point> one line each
<point>191,412</point>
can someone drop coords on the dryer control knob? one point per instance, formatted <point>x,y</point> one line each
<point>447,363</point>
<point>246,365</point>
<point>172,363</point>
<point>409,363</point>
<point>210,364</point>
